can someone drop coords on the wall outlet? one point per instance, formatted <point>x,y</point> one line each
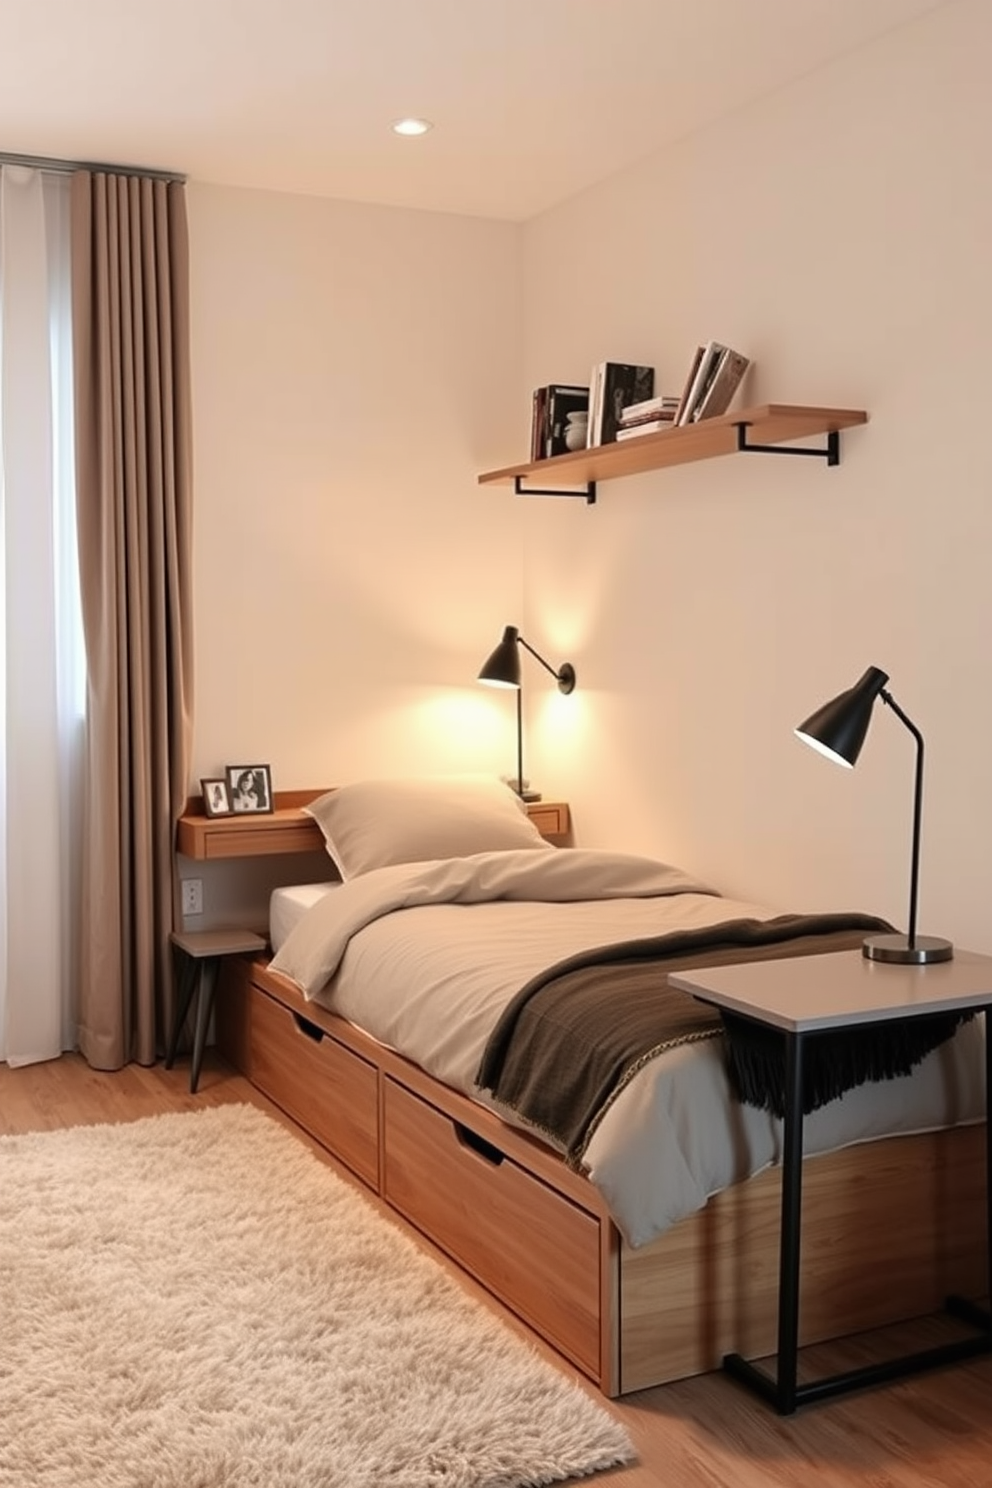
<point>192,896</point>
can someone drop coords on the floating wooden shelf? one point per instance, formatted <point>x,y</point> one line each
<point>766,430</point>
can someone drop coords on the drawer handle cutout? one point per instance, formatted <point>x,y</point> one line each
<point>309,1030</point>
<point>478,1144</point>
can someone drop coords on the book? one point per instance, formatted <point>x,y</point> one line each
<point>615,386</point>
<point>563,401</point>
<point>705,368</point>
<point>595,400</point>
<point>649,408</point>
<point>668,417</point>
<point>716,397</point>
<point>538,423</point>
<point>645,426</point>
<point>693,369</point>
<point>665,412</point>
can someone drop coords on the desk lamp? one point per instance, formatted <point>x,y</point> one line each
<point>838,730</point>
<point>502,669</point>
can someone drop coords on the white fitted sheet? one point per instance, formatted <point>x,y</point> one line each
<point>287,905</point>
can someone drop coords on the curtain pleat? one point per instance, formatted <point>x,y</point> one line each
<point>130,275</point>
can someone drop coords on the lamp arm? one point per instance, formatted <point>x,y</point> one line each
<point>536,655</point>
<point>564,676</point>
<point>520,743</point>
<point>914,877</point>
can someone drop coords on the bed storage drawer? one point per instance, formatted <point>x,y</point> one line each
<point>537,1251</point>
<point>328,1089</point>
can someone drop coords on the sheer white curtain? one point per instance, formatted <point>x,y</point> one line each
<point>41,680</point>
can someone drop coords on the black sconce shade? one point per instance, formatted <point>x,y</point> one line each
<point>502,669</point>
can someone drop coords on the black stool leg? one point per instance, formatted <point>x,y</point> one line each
<point>187,986</point>
<point>205,1002</point>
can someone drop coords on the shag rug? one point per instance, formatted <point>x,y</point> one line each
<point>196,1301</point>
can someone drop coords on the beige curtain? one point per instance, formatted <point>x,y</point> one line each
<point>130,285</point>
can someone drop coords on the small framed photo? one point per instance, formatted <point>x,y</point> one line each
<point>249,788</point>
<point>216,798</point>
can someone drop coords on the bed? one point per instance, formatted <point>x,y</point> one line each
<point>635,1229</point>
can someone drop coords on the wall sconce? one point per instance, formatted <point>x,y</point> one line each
<point>838,730</point>
<point>502,669</point>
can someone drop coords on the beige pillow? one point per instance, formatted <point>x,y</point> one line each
<point>376,823</point>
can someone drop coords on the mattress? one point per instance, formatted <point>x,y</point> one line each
<point>287,905</point>
<point>431,981</point>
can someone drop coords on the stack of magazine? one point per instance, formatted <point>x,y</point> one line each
<point>648,417</point>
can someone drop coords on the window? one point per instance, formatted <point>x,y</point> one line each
<point>42,669</point>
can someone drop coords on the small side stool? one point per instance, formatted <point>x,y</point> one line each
<point>202,953</point>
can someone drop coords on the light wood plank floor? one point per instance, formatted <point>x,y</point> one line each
<point>933,1430</point>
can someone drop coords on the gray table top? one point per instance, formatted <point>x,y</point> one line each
<point>840,989</point>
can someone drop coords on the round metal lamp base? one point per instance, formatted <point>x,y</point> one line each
<point>897,949</point>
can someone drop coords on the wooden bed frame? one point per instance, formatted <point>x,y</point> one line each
<point>889,1227</point>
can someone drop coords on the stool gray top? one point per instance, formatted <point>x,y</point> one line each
<point>200,943</point>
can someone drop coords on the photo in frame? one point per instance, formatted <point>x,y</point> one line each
<point>216,798</point>
<point>249,788</point>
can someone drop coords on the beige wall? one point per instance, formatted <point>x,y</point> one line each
<point>356,367</point>
<point>353,368</point>
<point>840,233</point>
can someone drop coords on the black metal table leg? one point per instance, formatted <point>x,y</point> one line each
<point>791,1238</point>
<point>187,986</point>
<point>204,1007</point>
<point>782,1390</point>
<point>963,1307</point>
<point>988,1166</point>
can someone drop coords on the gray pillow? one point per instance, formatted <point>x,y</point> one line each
<point>377,823</point>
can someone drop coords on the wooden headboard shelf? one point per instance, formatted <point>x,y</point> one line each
<point>288,829</point>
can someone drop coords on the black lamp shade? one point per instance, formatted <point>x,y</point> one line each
<point>838,729</point>
<point>502,667</point>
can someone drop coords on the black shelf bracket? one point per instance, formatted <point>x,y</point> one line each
<point>588,495</point>
<point>831,453</point>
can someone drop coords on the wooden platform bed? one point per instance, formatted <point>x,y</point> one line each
<point>890,1227</point>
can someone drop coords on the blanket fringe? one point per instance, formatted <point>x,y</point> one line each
<point>834,1062</point>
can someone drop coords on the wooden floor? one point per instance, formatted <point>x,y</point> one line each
<point>933,1430</point>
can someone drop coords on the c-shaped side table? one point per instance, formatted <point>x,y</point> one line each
<point>202,951</point>
<point>814,994</point>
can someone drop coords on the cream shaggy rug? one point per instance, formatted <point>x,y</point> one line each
<point>196,1301</point>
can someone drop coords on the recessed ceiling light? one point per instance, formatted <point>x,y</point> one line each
<point>411,126</point>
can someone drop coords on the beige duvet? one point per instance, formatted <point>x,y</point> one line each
<point>425,956</point>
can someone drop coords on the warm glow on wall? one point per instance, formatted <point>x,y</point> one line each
<point>453,730</point>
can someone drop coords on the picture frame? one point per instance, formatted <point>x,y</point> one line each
<point>216,798</point>
<point>249,788</point>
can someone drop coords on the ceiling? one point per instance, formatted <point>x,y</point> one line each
<point>531,100</point>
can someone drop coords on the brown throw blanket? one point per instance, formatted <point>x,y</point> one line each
<point>574,1036</point>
